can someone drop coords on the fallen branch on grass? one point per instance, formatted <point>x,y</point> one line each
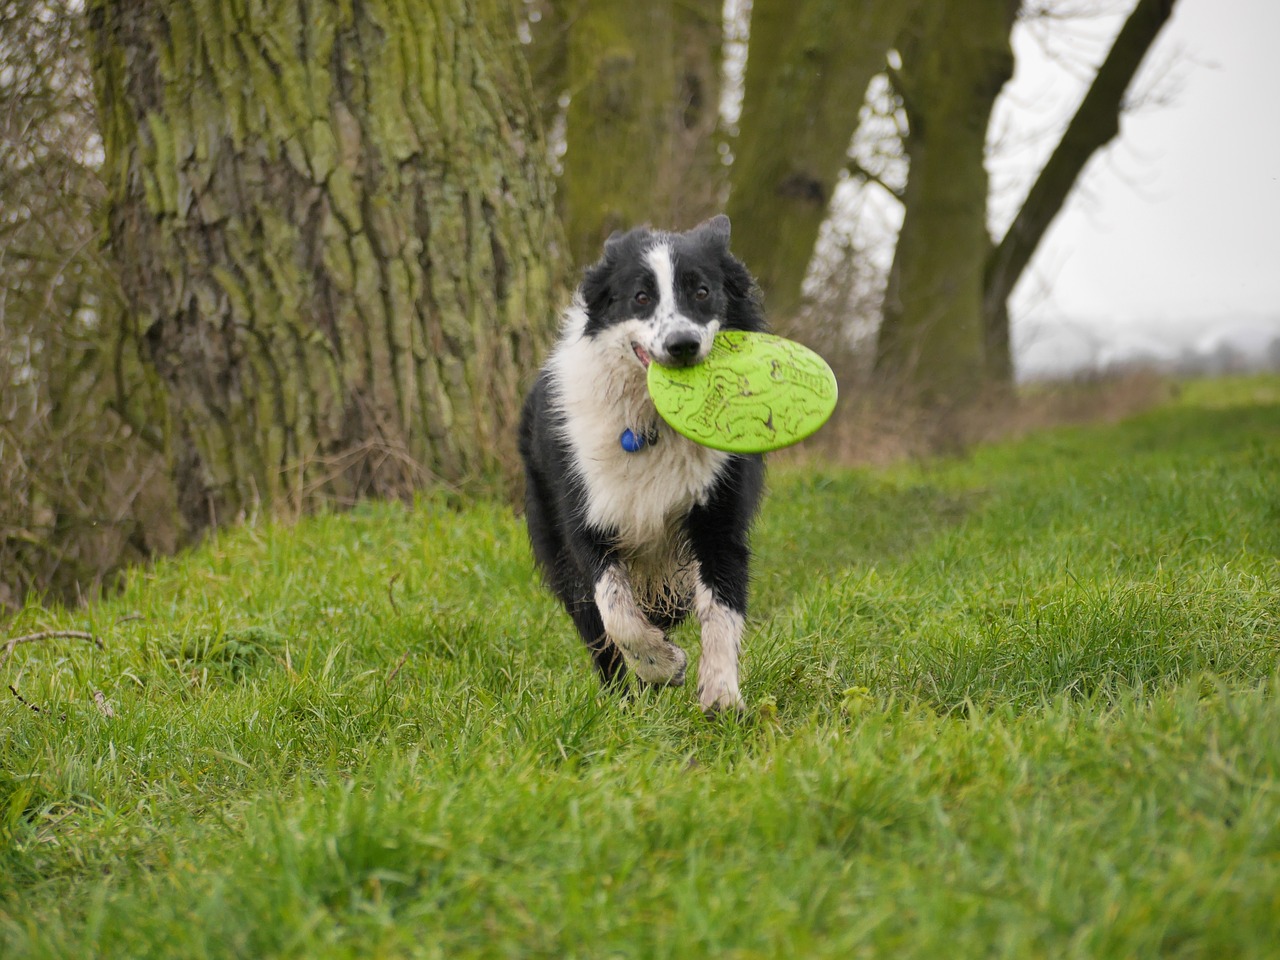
<point>49,635</point>
<point>56,634</point>
<point>31,706</point>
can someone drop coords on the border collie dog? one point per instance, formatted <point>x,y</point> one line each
<point>633,525</point>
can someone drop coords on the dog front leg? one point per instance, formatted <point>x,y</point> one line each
<point>718,534</point>
<point>722,629</point>
<point>644,647</point>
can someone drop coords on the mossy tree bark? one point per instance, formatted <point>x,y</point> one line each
<point>334,229</point>
<point>808,66</point>
<point>644,87</point>
<point>955,58</point>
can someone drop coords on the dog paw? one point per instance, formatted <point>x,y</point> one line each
<point>721,698</point>
<point>662,665</point>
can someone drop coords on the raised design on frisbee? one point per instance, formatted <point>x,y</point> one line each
<point>755,392</point>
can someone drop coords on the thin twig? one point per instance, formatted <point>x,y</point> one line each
<point>392,675</point>
<point>47,635</point>
<point>31,706</point>
<point>856,169</point>
<point>390,595</point>
<point>56,634</point>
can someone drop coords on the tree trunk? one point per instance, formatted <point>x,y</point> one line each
<point>334,231</point>
<point>1095,124</point>
<point>808,66</point>
<point>644,83</point>
<point>954,63</point>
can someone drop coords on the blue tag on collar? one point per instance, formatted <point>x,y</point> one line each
<point>633,442</point>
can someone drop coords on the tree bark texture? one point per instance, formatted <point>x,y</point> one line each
<point>641,144</point>
<point>954,61</point>
<point>333,223</point>
<point>808,66</point>
<point>1095,123</point>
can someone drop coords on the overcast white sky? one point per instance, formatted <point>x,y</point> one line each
<point>1176,225</point>
<point>1171,238</point>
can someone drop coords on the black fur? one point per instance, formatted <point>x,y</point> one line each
<point>571,554</point>
<point>709,283</point>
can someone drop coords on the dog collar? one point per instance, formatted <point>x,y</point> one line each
<point>633,442</point>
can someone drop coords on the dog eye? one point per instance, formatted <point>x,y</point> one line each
<point>642,298</point>
<point>702,293</point>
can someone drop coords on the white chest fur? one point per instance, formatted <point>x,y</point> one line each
<point>600,388</point>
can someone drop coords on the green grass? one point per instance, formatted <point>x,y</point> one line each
<point>1021,704</point>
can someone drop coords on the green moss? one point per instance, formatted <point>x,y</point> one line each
<point>230,284</point>
<point>290,209</point>
<point>322,150</point>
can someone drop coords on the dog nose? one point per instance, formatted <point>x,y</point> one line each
<point>682,348</point>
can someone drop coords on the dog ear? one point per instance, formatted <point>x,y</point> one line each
<point>719,226</point>
<point>613,243</point>
<point>596,286</point>
<point>597,291</point>
<point>744,309</point>
<point>716,231</point>
<point>620,240</point>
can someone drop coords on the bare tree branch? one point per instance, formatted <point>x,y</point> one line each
<point>1095,124</point>
<point>855,169</point>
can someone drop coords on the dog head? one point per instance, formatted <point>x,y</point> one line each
<point>664,296</point>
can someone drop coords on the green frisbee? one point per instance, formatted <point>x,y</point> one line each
<point>755,392</point>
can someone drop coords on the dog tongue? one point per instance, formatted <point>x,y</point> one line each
<point>640,353</point>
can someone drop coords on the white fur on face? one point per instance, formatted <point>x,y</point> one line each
<point>644,647</point>
<point>667,320</point>
<point>722,630</point>
<point>599,387</point>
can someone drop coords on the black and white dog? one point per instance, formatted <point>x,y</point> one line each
<point>632,524</point>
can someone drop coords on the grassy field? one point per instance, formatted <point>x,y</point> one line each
<point>1020,704</point>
